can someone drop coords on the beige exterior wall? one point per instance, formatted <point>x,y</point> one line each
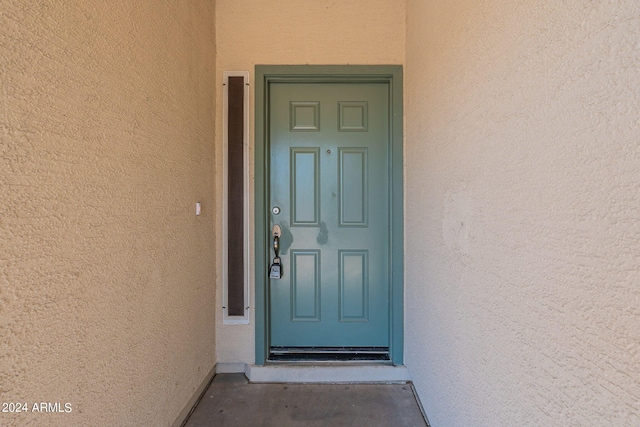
<point>251,32</point>
<point>106,143</point>
<point>522,211</point>
<point>522,200</point>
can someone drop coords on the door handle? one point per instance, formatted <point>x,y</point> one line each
<point>276,241</point>
<point>275,271</point>
<point>276,232</point>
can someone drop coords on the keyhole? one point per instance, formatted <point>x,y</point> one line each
<point>328,151</point>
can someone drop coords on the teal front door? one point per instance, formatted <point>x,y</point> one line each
<point>329,192</point>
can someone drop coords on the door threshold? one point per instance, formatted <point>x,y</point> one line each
<point>329,354</point>
<point>328,363</point>
<point>327,372</point>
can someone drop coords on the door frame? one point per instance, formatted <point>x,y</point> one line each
<point>264,76</point>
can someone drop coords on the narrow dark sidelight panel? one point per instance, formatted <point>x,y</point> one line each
<point>235,217</point>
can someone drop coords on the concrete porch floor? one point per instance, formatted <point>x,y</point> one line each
<point>231,400</point>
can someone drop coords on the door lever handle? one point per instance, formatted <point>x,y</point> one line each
<point>275,271</point>
<point>276,232</point>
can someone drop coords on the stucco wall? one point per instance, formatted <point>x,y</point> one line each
<point>251,32</point>
<point>523,211</point>
<point>106,143</point>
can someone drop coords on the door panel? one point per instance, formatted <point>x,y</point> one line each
<point>305,186</point>
<point>352,181</point>
<point>305,286</point>
<point>329,175</point>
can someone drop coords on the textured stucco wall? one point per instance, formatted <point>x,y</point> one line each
<point>251,32</point>
<point>523,211</point>
<point>106,143</point>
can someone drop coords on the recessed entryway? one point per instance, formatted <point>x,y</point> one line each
<point>328,216</point>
